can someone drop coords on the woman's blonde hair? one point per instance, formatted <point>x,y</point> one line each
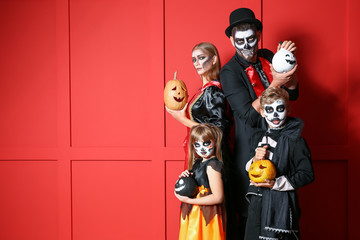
<point>210,49</point>
<point>205,132</point>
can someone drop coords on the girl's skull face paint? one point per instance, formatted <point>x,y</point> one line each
<point>275,113</point>
<point>246,43</point>
<point>204,149</point>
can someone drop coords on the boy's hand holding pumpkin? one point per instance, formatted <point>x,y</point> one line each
<point>260,153</point>
<point>267,184</point>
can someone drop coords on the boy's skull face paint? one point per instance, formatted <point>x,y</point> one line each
<point>246,43</point>
<point>204,149</point>
<point>275,113</point>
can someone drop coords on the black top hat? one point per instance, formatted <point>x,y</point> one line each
<point>242,15</point>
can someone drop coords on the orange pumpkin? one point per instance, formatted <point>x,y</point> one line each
<point>261,170</point>
<point>175,94</point>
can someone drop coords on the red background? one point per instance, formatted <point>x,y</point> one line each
<point>86,148</point>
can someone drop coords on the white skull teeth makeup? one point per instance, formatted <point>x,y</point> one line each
<point>204,149</point>
<point>246,43</point>
<point>275,113</point>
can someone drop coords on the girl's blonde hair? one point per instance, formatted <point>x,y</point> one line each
<point>211,50</point>
<point>205,132</point>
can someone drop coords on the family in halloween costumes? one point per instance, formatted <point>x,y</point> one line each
<point>243,79</point>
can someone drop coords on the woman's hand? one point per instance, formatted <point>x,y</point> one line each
<point>267,184</point>
<point>178,114</point>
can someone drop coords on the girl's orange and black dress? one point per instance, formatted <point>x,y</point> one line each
<point>203,222</point>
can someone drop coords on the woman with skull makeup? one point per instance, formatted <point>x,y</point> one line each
<point>208,105</point>
<point>203,217</point>
<point>248,73</point>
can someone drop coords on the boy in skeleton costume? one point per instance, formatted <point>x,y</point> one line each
<point>243,79</point>
<point>274,211</point>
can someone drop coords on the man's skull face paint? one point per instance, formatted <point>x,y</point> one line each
<point>204,149</point>
<point>246,43</point>
<point>275,113</point>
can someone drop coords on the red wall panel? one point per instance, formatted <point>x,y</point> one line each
<point>110,199</point>
<point>28,86</point>
<point>110,82</point>
<point>28,202</point>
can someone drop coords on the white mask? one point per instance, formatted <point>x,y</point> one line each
<point>246,43</point>
<point>204,149</point>
<point>275,113</point>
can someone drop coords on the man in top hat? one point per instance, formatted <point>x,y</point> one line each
<point>243,79</point>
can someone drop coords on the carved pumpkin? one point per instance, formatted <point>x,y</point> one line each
<point>261,170</point>
<point>283,61</point>
<point>175,94</point>
<point>186,186</point>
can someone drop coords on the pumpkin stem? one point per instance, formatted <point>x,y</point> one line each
<point>175,74</point>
